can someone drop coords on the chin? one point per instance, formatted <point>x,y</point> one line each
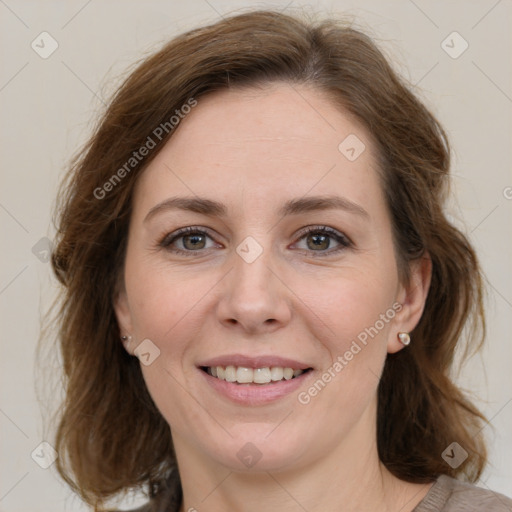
<point>250,452</point>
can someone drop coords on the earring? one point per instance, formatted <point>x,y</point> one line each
<point>126,339</point>
<point>404,338</point>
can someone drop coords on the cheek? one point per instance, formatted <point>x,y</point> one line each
<point>353,318</point>
<point>351,304</point>
<point>166,308</point>
<point>162,298</point>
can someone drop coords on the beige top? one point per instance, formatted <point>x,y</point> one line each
<point>446,495</point>
<point>450,495</point>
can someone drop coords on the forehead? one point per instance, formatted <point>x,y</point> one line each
<point>265,142</point>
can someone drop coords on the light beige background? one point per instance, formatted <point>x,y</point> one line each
<point>47,106</point>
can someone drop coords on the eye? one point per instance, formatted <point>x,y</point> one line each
<point>323,240</point>
<point>318,239</point>
<point>187,240</point>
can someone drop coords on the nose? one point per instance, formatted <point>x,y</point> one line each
<point>254,297</point>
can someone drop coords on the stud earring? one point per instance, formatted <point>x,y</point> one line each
<point>404,338</point>
<point>126,339</point>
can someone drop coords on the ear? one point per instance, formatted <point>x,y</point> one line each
<point>124,319</point>
<point>412,297</point>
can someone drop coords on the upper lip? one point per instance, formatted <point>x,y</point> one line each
<point>254,362</point>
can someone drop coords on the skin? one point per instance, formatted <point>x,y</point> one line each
<point>253,150</point>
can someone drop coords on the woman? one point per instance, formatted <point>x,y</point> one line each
<point>262,296</point>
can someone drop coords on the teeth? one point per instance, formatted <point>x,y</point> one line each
<point>262,375</point>
<point>276,373</point>
<point>230,374</point>
<point>288,373</point>
<point>243,375</point>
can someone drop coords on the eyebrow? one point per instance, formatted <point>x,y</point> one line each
<point>297,206</point>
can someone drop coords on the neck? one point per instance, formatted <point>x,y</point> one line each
<point>349,478</point>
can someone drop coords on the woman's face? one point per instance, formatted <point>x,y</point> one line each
<point>288,262</point>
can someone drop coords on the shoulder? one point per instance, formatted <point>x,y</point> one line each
<point>152,506</point>
<point>451,495</point>
<point>168,499</point>
<point>148,507</point>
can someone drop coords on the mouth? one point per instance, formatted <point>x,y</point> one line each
<point>243,375</point>
<point>254,380</point>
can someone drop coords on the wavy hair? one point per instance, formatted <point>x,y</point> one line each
<point>110,435</point>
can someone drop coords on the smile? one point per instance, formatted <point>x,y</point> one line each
<point>244,375</point>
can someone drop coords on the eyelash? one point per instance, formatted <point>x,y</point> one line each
<point>342,239</point>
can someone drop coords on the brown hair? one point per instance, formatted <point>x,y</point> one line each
<point>110,435</point>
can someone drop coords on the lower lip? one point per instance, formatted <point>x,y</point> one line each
<point>255,394</point>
